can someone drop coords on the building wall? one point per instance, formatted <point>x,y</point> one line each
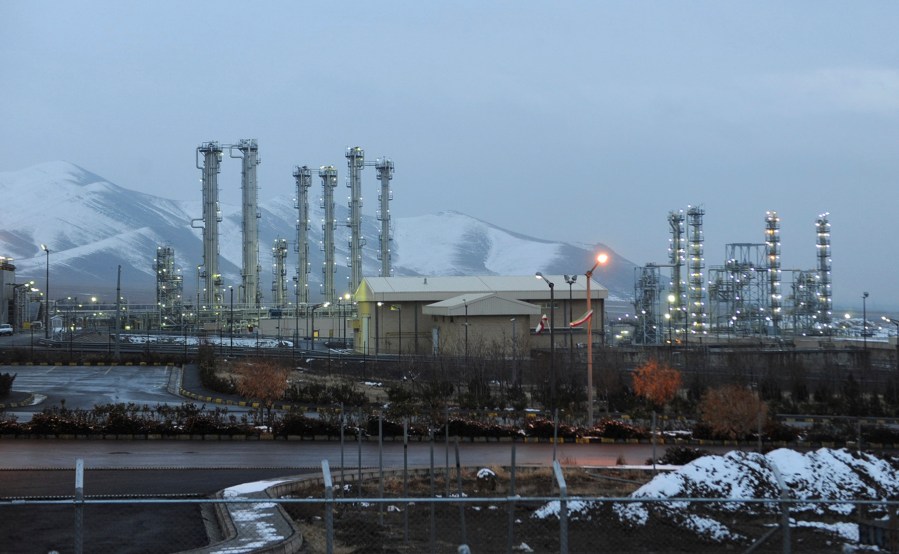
<point>382,330</point>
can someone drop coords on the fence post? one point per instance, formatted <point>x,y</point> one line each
<point>79,506</point>
<point>461,503</point>
<point>342,477</point>
<point>329,507</point>
<point>784,509</point>
<point>563,508</point>
<point>406,478</point>
<point>433,495</point>
<point>380,468</point>
<point>510,536</point>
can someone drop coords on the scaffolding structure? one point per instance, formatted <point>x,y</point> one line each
<point>169,287</point>
<point>328,175</point>
<point>738,295</point>
<point>647,295</point>
<point>250,294</point>
<point>303,176</point>
<point>279,272</point>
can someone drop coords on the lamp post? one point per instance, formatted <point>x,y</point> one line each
<point>312,337</point>
<point>552,341</point>
<point>398,308</point>
<point>377,327</point>
<point>465,302</point>
<point>865,322</point>
<point>570,279</point>
<point>896,323</point>
<point>600,259</point>
<point>296,314</point>
<point>47,295</point>
<point>346,299</point>
<point>231,321</point>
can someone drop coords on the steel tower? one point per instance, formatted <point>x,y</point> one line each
<point>250,293</point>
<point>212,216</point>
<point>772,250</point>
<point>303,176</point>
<point>355,158</point>
<point>169,286</point>
<point>385,174</point>
<point>279,272</point>
<point>696,263</point>
<point>825,301</point>
<point>328,175</point>
<point>676,255</point>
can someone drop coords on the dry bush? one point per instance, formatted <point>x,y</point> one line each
<point>731,411</point>
<point>264,381</point>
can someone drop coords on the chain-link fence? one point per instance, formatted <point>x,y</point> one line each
<point>427,510</point>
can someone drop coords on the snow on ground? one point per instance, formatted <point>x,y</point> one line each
<point>256,521</point>
<point>832,476</point>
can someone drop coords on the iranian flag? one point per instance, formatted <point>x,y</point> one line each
<point>583,319</point>
<point>542,325</point>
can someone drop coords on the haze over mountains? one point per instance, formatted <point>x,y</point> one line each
<point>92,225</point>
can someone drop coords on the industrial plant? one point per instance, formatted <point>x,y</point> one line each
<point>743,297</point>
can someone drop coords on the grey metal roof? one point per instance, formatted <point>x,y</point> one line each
<point>480,305</point>
<point>444,287</point>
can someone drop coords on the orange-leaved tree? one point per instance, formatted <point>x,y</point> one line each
<point>264,381</point>
<point>657,383</point>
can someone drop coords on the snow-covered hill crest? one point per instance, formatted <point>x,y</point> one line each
<point>92,225</point>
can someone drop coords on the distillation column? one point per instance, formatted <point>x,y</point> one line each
<point>355,158</point>
<point>772,249</point>
<point>385,174</point>
<point>250,293</point>
<point>279,272</point>
<point>676,258</point>
<point>328,176</point>
<point>303,176</point>
<point>825,301</point>
<point>696,263</point>
<point>212,158</point>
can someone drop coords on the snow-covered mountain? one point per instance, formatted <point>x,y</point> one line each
<point>91,226</point>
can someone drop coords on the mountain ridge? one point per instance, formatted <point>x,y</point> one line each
<point>92,225</point>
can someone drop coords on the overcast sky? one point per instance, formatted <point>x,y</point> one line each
<point>578,121</point>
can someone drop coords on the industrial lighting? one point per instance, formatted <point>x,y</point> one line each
<point>552,341</point>
<point>47,295</point>
<point>602,258</point>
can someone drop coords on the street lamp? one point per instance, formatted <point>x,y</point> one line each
<point>600,259</point>
<point>570,279</point>
<point>312,338</point>
<point>398,308</point>
<point>346,299</point>
<point>552,341</point>
<point>464,301</point>
<point>231,322</point>
<point>47,295</point>
<point>671,298</point>
<point>377,327</point>
<point>896,323</point>
<point>865,322</point>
